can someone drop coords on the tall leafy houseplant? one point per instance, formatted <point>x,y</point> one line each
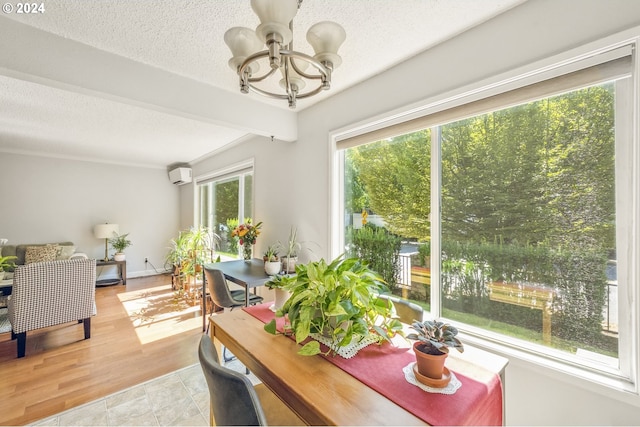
<point>338,300</point>
<point>189,251</point>
<point>200,245</point>
<point>178,252</point>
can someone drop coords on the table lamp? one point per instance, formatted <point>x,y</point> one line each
<point>106,232</point>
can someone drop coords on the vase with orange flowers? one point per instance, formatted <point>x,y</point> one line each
<point>247,235</point>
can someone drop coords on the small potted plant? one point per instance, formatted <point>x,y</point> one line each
<point>272,263</point>
<point>433,339</point>
<point>120,243</point>
<point>5,263</point>
<point>290,258</point>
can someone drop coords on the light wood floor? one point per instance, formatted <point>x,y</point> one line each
<point>140,332</point>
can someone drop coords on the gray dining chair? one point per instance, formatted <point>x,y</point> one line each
<point>220,293</point>
<point>406,311</point>
<point>234,401</point>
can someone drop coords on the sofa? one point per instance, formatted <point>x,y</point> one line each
<point>39,252</point>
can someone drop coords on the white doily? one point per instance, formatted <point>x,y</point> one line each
<point>347,351</point>
<point>451,388</point>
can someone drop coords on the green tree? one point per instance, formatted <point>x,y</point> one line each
<point>490,172</point>
<point>395,174</point>
<point>581,184</point>
<point>537,172</point>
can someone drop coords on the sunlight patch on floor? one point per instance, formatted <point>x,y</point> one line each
<point>161,308</point>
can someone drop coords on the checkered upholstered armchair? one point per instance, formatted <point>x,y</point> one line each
<point>51,293</point>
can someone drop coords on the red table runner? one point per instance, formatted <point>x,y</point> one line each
<point>380,367</point>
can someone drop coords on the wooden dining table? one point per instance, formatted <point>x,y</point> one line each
<point>320,392</point>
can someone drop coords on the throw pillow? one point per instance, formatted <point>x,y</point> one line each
<point>65,252</point>
<point>40,253</point>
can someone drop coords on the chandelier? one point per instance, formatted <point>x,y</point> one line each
<point>276,33</point>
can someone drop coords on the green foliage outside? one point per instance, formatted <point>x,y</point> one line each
<point>223,197</point>
<point>527,197</point>
<point>379,248</point>
<point>393,180</point>
<point>539,172</point>
<point>577,277</point>
<point>231,242</point>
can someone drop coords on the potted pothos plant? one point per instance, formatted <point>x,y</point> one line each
<point>338,300</point>
<point>432,341</point>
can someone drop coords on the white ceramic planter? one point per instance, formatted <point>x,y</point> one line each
<point>119,256</point>
<point>272,267</point>
<point>281,297</point>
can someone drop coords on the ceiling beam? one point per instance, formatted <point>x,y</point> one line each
<point>30,54</point>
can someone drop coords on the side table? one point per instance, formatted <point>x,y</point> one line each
<point>122,273</point>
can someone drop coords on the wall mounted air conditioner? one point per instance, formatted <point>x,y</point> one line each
<point>180,176</point>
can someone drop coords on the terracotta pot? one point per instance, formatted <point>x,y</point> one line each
<point>429,365</point>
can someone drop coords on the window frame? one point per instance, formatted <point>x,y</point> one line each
<point>627,170</point>
<point>239,170</point>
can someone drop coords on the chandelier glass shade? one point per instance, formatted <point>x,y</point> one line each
<point>296,70</point>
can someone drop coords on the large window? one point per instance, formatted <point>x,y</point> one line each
<point>222,201</point>
<point>508,214</point>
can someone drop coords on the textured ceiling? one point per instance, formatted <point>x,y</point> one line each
<point>185,37</point>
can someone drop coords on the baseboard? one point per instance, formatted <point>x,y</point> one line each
<point>134,274</point>
<point>146,273</point>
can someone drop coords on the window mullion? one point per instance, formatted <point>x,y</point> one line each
<point>627,212</point>
<point>435,222</point>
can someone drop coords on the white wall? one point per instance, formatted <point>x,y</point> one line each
<point>280,185</point>
<point>536,30</point>
<point>49,200</point>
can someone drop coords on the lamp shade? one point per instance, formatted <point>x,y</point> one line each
<point>325,38</point>
<point>242,42</point>
<point>294,78</point>
<point>105,231</point>
<point>275,16</point>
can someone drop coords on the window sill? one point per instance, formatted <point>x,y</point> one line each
<point>605,380</point>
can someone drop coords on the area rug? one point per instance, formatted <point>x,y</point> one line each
<point>5,326</point>
<point>178,398</point>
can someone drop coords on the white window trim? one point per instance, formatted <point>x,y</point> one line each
<point>623,388</point>
<point>232,170</point>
